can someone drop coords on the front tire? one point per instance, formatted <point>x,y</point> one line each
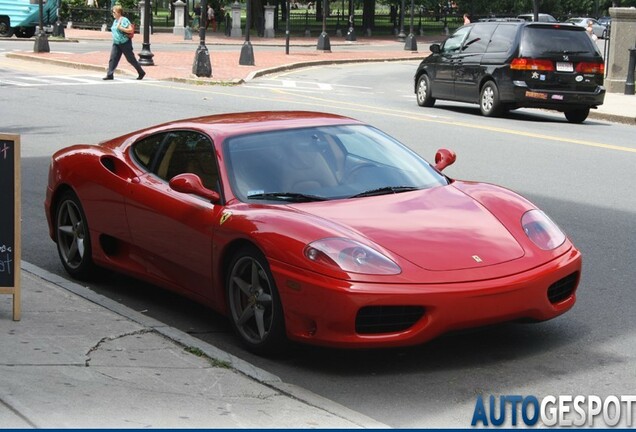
<point>424,98</point>
<point>5,30</point>
<point>25,32</point>
<point>489,103</point>
<point>73,237</point>
<point>255,309</point>
<point>578,115</point>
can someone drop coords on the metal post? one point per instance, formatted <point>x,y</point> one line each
<point>247,52</point>
<point>145,55</point>
<point>41,39</point>
<point>411,43</point>
<point>58,28</point>
<point>287,27</point>
<point>202,66</point>
<point>351,34</point>
<point>629,82</point>
<point>323,39</point>
<point>402,35</point>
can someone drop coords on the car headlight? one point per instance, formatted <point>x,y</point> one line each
<point>541,230</point>
<point>350,256</point>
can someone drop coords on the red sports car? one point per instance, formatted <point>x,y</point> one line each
<point>308,226</point>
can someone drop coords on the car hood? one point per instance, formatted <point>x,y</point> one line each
<point>437,229</point>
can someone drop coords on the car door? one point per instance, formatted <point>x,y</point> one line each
<point>444,87</point>
<point>175,231</point>
<point>468,68</point>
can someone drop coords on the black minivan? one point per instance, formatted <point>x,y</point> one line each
<point>508,64</point>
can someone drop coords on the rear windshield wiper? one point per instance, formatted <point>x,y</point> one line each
<point>565,52</point>
<point>286,196</point>
<point>385,191</point>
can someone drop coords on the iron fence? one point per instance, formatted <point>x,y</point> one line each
<point>300,23</point>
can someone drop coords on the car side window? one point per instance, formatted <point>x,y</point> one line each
<point>478,39</point>
<point>502,38</point>
<point>454,41</point>
<point>188,152</point>
<point>147,150</point>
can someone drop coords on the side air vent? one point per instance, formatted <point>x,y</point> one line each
<point>108,163</point>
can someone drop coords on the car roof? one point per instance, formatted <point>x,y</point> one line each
<point>533,24</point>
<point>267,120</point>
<point>531,16</point>
<point>224,125</point>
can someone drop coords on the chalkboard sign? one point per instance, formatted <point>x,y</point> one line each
<point>10,219</point>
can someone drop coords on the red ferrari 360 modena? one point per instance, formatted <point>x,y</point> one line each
<point>308,226</point>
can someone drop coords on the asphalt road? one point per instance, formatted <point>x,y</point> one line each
<point>568,170</point>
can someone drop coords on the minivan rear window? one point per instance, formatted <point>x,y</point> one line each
<point>550,41</point>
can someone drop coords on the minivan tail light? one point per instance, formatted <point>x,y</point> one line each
<point>532,64</point>
<point>591,68</point>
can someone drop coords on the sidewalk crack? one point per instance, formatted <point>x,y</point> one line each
<point>110,339</point>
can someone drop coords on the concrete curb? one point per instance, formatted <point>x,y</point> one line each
<point>186,340</point>
<point>300,65</point>
<point>614,118</point>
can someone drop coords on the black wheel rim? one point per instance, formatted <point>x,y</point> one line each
<point>250,300</point>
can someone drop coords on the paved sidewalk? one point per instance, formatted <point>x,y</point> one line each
<point>176,64</point>
<point>79,360</point>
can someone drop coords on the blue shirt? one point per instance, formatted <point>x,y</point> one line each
<point>119,37</point>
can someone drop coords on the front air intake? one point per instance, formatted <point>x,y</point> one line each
<point>563,288</point>
<point>387,319</point>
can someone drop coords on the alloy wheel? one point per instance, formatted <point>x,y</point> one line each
<point>71,234</point>
<point>250,300</point>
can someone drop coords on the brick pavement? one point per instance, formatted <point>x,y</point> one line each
<point>176,64</point>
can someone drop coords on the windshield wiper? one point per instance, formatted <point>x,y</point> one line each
<point>286,196</point>
<point>385,191</point>
<point>566,52</point>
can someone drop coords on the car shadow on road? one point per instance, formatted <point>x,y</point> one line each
<point>529,115</point>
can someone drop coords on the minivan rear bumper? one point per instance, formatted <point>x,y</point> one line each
<point>523,96</point>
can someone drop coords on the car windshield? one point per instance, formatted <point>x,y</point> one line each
<point>323,163</point>
<point>548,41</point>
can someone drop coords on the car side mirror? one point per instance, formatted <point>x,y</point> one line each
<point>191,184</point>
<point>444,158</point>
<point>435,48</point>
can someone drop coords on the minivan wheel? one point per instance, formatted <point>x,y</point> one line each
<point>424,98</point>
<point>489,100</point>
<point>577,115</point>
